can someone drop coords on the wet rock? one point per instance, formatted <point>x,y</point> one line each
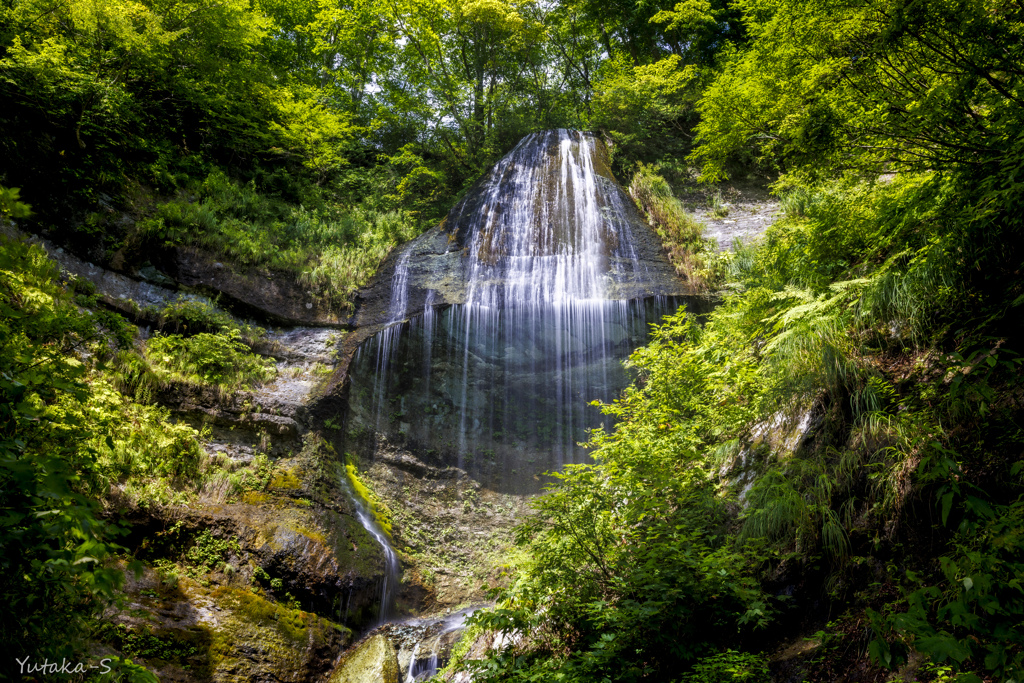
<point>374,661</point>
<point>444,526</point>
<point>425,644</point>
<point>786,433</point>
<point>303,346</point>
<point>276,425</point>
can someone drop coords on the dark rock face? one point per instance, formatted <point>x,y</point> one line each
<point>484,340</point>
<point>274,297</point>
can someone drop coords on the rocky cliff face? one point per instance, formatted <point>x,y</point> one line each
<point>262,580</point>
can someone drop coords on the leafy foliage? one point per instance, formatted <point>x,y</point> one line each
<point>631,569</point>
<point>54,543</point>
<point>876,86</point>
<point>695,257</point>
<point>219,359</point>
<point>10,206</point>
<point>646,107</point>
<point>332,250</point>
<point>729,666</point>
<point>71,439</point>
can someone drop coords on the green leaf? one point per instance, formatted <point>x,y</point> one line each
<point>943,646</point>
<point>947,505</point>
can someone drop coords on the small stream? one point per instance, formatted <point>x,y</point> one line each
<point>425,645</point>
<point>392,570</point>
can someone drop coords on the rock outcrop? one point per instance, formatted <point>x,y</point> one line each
<point>439,265</point>
<point>373,661</point>
<point>263,578</point>
<point>185,631</point>
<point>275,297</point>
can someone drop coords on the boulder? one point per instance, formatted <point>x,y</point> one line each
<point>374,661</point>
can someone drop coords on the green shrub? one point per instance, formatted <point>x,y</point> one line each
<point>331,250</point>
<point>694,257</point>
<point>222,360</point>
<point>54,540</point>
<point>208,553</point>
<point>190,316</point>
<point>729,667</point>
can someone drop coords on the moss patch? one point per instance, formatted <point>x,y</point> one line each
<point>186,648</point>
<point>254,497</point>
<point>286,479</point>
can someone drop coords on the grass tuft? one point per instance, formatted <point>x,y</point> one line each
<point>695,257</point>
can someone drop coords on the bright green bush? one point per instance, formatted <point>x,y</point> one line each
<point>222,360</point>
<point>138,442</point>
<point>729,667</point>
<point>187,315</point>
<point>53,542</point>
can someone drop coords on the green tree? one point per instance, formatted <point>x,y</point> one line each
<point>53,543</point>
<point>631,575</point>
<point>877,86</point>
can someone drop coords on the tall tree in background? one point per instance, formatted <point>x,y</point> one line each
<point>876,86</point>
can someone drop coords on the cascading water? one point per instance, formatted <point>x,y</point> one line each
<point>536,269</point>
<point>387,337</point>
<point>390,578</point>
<point>384,356</point>
<point>555,293</point>
<point>433,645</point>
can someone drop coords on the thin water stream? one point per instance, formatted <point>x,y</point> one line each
<point>431,650</point>
<point>392,570</point>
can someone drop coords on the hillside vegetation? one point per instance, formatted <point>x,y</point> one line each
<point>880,317</point>
<point>830,463</point>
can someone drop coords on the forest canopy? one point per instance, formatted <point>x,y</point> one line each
<point>310,137</point>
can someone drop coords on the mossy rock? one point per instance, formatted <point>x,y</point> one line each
<point>257,637</point>
<point>286,480</point>
<point>222,634</point>
<point>374,661</point>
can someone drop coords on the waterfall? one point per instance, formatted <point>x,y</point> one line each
<point>441,635</point>
<point>500,383</point>
<point>391,576</point>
